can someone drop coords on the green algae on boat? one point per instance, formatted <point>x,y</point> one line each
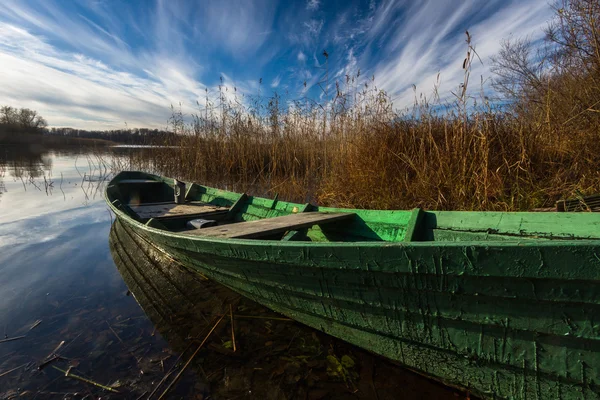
<point>506,305</point>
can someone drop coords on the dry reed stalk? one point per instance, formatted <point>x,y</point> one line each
<point>191,358</point>
<point>12,339</point>
<point>12,370</point>
<point>232,328</point>
<point>82,379</point>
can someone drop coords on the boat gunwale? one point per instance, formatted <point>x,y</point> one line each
<point>508,243</point>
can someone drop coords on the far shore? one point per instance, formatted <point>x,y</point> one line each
<point>18,138</point>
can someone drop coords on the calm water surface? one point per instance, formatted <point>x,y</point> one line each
<point>80,293</point>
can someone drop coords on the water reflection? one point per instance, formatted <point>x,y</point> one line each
<point>24,162</point>
<point>2,174</point>
<point>66,305</point>
<point>60,294</point>
<point>65,180</point>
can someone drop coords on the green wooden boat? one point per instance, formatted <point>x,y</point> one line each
<point>505,305</point>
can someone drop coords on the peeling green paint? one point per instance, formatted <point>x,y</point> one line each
<point>506,305</point>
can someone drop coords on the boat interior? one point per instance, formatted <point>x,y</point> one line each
<point>209,212</point>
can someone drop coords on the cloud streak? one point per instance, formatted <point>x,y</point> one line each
<point>416,56</point>
<point>313,5</point>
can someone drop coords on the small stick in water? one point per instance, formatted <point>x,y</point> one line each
<point>36,323</point>
<point>51,357</point>
<point>141,395</point>
<point>53,352</point>
<point>48,361</point>
<point>191,358</point>
<point>232,328</point>
<point>68,374</point>
<point>160,383</point>
<point>11,339</point>
<point>113,331</point>
<point>71,342</point>
<point>11,370</point>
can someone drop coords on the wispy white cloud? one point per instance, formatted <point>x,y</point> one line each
<point>314,26</point>
<point>313,5</point>
<point>276,81</point>
<point>239,28</point>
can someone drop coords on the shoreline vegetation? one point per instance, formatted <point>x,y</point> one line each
<point>40,140</point>
<point>24,126</point>
<point>535,143</point>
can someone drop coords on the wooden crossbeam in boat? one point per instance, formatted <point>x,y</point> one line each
<point>170,210</point>
<point>270,226</point>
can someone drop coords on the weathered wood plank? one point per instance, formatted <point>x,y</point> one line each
<point>158,203</point>
<point>130,181</point>
<point>271,226</point>
<point>169,210</point>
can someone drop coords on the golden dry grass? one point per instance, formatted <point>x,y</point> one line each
<point>488,160</point>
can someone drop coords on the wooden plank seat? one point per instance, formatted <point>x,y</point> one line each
<point>270,226</point>
<point>173,210</point>
<point>144,181</point>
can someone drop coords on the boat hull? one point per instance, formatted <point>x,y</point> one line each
<point>503,320</point>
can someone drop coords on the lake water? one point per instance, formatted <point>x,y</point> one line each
<point>81,294</point>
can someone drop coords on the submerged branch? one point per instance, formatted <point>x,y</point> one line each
<point>80,378</point>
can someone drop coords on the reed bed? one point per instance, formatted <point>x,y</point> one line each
<point>374,158</point>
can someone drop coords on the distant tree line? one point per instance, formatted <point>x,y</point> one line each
<point>21,120</point>
<point>125,136</point>
<point>17,121</point>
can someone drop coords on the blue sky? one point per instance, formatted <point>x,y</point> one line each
<point>99,64</point>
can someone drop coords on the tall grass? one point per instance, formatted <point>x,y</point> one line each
<point>354,150</point>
